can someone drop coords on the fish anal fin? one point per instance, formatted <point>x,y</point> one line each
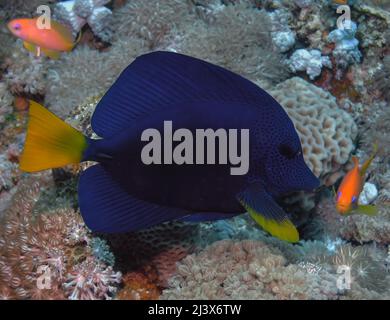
<point>30,47</point>
<point>268,214</point>
<point>106,207</point>
<point>51,53</point>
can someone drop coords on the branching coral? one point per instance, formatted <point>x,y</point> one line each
<point>41,252</point>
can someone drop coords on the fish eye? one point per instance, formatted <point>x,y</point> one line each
<point>354,199</point>
<point>17,26</point>
<point>288,152</point>
<point>338,195</point>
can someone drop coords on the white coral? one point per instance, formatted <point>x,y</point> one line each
<point>310,61</point>
<point>368,194</point>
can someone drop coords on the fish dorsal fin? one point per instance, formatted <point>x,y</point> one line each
<point>166,79</point>
<point>355,161</point>
<point>367,163</point>
<point>64,31</point>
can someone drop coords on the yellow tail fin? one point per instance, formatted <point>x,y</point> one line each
<point>50,142</point>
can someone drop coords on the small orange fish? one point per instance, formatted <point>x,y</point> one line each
<point>350,188</point>
<point>340,2</point>
<point>51,41</point>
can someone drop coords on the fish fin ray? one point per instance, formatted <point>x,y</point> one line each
<point>106,207</point>
<point>50,141</point>
<point>367,163</point>
<point>160,80</point>
<point>268,214</point>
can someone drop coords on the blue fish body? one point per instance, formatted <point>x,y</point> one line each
<point>122,193</point>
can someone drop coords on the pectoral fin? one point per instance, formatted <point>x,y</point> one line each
<point>368,210</point>
<point>268,214</point>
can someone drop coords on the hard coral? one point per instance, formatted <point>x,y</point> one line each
<point>327,133</point>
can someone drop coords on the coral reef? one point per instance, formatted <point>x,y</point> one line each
<point>139,286</point>
<point>251,56</point>
<point>70,81</point>
<point>346,51</point>
<point>357,228</point>
<point>282,36</point>
<point>159,247</point>
<point>76,13</point>
<point>5,102</point>
<point>382,78</point>
<point>101,251</point>
<point>46,256</point>
<point>154,22</point>
<point>246,270</point>
<point>90,280</point>
<point>25,74</point>
<point>43,241</point>
<point>309,61</point>
<point>327,133</point>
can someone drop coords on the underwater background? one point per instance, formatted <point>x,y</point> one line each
<point>335,86</point>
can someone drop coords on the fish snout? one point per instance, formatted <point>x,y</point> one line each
<point>15,27</point>
<point>343,208</point>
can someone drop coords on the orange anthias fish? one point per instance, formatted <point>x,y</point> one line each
<point>350,188</point>
<point>50,42</point>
